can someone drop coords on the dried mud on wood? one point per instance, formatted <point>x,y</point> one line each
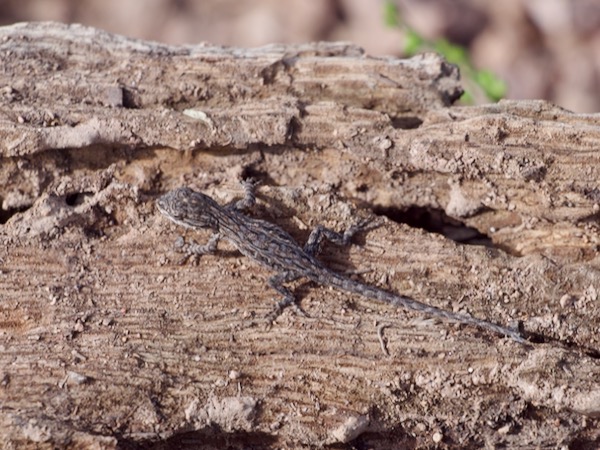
<point>106,342</point>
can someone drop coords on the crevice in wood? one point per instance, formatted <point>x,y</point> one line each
<point>406,123</point>
<point>6,214</point>
<point>437,221</point>
<point>210,437</point>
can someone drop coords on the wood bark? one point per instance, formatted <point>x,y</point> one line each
<point>107,342</point>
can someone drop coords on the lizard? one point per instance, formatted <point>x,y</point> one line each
<point>272,247</point>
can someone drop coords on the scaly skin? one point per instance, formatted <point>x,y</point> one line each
<point>275,249</point>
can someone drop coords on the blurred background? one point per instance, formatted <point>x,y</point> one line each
<point>531,49</point>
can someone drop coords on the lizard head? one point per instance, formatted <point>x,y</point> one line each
<point>189,208</point>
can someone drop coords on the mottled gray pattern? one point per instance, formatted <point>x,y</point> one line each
<point>275,249</point>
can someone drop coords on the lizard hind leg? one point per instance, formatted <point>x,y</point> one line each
<point>276,282</point>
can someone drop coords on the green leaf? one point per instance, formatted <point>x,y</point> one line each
<point>467,99</point>
<point>483,81</point>
<point>494,87</point>
<point>453,53</point>
<point>390,14</point>
<point>413,42</point>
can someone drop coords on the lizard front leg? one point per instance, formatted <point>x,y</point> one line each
<point>249,199</point>
<point>192,249</point>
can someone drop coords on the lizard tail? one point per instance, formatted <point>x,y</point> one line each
<point>401,301</point>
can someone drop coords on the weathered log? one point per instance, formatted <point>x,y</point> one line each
<point>106,342</point>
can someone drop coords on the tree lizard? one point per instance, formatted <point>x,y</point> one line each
<point>273,248</point>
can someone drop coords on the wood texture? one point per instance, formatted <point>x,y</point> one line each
<point>105,342</point>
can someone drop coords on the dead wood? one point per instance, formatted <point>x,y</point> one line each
<point>106,342</point>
